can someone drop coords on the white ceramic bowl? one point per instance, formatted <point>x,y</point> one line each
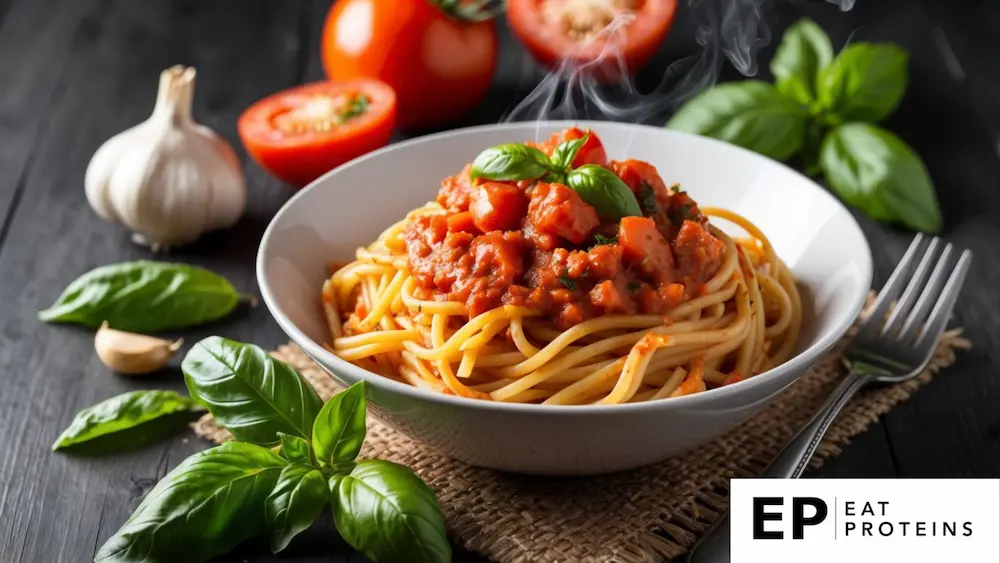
<point>348,207</point>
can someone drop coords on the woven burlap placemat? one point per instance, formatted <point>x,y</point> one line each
<point>648,514</point>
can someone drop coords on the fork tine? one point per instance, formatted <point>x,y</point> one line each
<point>928,297</point>
<point>891,289</point>
<point>942,309</point>
<point>913,289</point>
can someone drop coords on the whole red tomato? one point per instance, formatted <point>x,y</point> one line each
<point>439,59</point>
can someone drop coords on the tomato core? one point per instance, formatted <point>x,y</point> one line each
<point>581,20</point>
<point>321,113</point>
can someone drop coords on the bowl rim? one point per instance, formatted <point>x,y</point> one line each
<point>801,361</point>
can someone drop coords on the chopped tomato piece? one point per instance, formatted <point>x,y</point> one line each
<point>497,207</point>
<point>463,222</point>
<point>499,256</point>
<point>643,245</point>
<point>608,296</point>
<point>455,191</point>
<point>558,210</point>
<point>592,151</point>
<point>600,262</point>
<point>672,295</point>
<point>699,254</point>
<point>635,172</point>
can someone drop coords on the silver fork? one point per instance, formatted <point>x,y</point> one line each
<point>890,347</point>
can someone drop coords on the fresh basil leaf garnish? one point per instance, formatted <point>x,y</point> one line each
<point>128,420</point>
<point>339,429</point>
<point>249,393</point>
<point>865,82</point>
<point>296,501</point>
<point>144,296</point>
<point>875,171</point>
<point>409,527</point>
<point>566,151</point>
<point>751,114</point>
<point>604,191</point>
<point>211,502</point>
<point>805,50</point>
<point>295,449</point>
<point>511,162</point>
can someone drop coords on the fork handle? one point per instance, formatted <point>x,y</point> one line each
<point>790,462</point>
<point>794,457</point>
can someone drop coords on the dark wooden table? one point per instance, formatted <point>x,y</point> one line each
<point>74,72</point>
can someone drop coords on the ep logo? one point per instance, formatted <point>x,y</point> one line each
<point>799,511</point>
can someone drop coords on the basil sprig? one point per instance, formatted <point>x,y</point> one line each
<point>127,421</point>
<point>144,296</point>
<point>824,109</point>
<point>220,497</point>
<point>597,186</point>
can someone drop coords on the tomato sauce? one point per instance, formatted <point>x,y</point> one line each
<point>540,245</point>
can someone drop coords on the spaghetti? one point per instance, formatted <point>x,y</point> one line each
<point>518,291</point>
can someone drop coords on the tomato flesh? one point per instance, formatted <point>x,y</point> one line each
<point>301,133</point>
<point>573,30</point>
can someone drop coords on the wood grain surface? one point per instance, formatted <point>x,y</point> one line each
<point>75,72</point>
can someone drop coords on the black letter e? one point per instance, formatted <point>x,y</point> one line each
<point>759,517</point>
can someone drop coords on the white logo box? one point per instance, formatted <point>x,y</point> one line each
<point>866,520</point>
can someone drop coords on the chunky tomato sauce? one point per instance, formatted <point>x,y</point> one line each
<point>539,244</point>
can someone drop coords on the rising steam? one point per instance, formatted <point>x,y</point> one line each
<point>733,30</point>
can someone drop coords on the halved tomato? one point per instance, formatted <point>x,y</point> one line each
<point>301,133</point>
<point>554,30</point>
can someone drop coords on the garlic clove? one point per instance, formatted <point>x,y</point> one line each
<point>131,353</point>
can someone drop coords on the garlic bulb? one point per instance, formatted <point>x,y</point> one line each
<point>168,179</point>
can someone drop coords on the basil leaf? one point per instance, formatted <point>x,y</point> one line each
<point>875,171</point>
<point>339,429</point>
<point>604,191</point>
<point>206,506</point>
<point>133,411</point>
<point>249,393</point>
<point>805,50</point>
<point>751,114</point>
<point>144,296</point>
<point>387,513</point>
<point>295,449</point>
<point>865,82</point>
<point>566,151</point>
<point>511,162</point>
<point>297,499</point>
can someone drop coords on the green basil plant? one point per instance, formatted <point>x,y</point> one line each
<point>825,107</point>
<point>293,456</point>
